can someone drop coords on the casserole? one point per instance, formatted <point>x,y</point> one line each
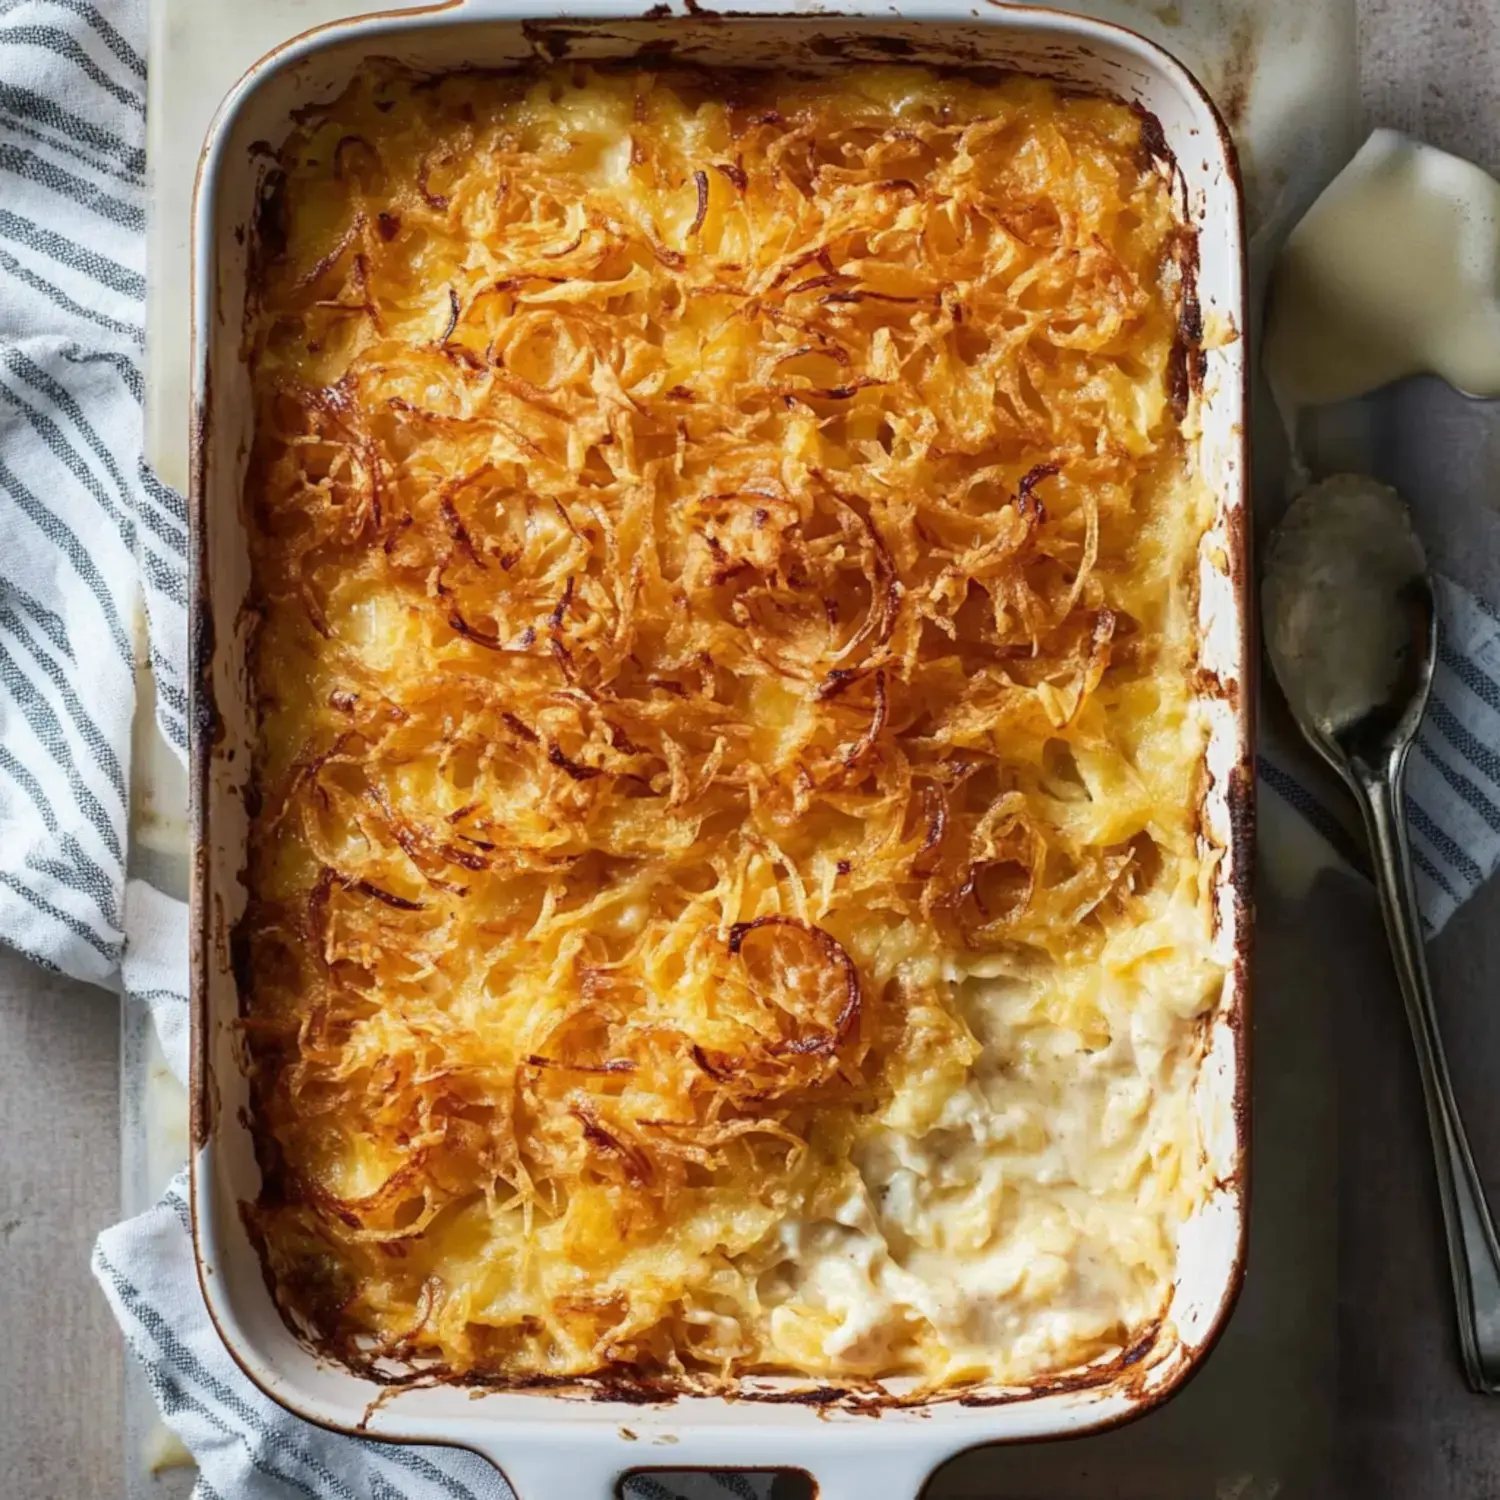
<point>793,1424</point>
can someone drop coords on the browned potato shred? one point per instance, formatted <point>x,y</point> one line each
<point>723,560</point>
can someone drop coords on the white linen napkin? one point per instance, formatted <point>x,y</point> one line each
<point>93,556</point>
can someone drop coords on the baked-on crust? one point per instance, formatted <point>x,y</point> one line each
<point>725,892</point>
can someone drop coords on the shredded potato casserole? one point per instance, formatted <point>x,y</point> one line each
<point>726,892</point>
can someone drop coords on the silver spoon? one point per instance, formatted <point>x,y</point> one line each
<point>1352,635</point>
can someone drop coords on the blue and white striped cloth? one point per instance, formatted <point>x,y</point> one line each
<point>92,548</point>
<point>93,586</point>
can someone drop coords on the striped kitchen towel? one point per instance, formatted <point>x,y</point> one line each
<point>92,549</point>
<point>93,586</point>
<point>247,1447</point>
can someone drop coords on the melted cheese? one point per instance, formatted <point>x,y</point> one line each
<point>725,891</point>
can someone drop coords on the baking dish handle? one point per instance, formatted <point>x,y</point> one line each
<point>566,1466</point>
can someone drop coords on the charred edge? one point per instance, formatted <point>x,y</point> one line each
<point>622,741</point>
<point>935,801</point>
<point>841,299</point>
<point>1241,800</point>
<point>818,1395</point>
<point>561,609</point>
<point>398,903</point>
<point>572,768</point>
<point>203,1098</point>
<point>241,963</point>
<point>700,183</point>
<point>632,1160</point>
<point>614,1065</point>
<point>1028,502</point>
<point>857,48</point>
<point>346,143</point>
<point>250,1221</point>
<point>208,723</point>
<point>520,727</point>
<point>733,172</point>
<point>461,626</point>
<point>1154,150</point>
<point>1187,362</point>
<point>866,741</point>
<point>565,250</point>
<point>638,1389</point>
<point>271,224</point>
<point>632,1395</point>
<point>645,1390</point>
<point>252,799</point>
<point>555,42</point>
<point>1209,684</point>
<point>458,531</point>
<point>837,679</point>
<point>854,1401</point>
<point>316,920</point>
<point>207,726</point>
<point>833,392</point>
<point>385,1396</point>
<point>1140,1348</point>
<point>712,1069</point>
<point>1130,1360</point>
<point>631,1390</point>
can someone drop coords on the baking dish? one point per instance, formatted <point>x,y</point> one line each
<point>550,1442</point>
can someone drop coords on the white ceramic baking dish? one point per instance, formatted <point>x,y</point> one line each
<point>553,1445</point>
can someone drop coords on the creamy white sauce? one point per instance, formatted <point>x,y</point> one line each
<point>1395,270</point>
<point>1036,1216</point>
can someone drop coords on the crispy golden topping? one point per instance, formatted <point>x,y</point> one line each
<point>723,560</point>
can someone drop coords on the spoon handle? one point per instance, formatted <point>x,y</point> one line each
<point>1473,1252</point>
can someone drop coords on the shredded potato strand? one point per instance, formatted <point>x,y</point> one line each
<point>723,552</point>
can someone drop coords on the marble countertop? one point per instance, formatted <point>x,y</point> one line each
<point>1347,1274</point>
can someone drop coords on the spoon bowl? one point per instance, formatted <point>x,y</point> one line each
<point>1351,625</point>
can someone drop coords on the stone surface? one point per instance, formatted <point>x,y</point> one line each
<point>60,1366</point>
